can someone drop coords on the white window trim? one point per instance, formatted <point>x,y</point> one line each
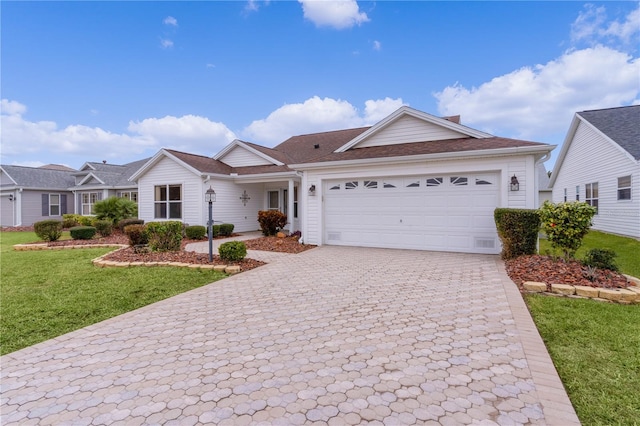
<point>59,204</point>
<point>168,202</point>
<point>624,200</point>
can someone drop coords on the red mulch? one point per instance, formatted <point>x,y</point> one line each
<point>282,245</point>
<point>550,271</point>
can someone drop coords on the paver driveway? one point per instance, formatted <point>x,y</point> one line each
<point>334,335</point>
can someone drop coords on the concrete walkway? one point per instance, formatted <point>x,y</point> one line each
<point>334,335</point>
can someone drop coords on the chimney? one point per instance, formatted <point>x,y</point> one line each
<point>316,146</point>
<point>453,119</point>
<point>104,161</point>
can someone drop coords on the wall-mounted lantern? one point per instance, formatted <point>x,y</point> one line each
<point>11,197</point>
<point>312,190</point>
<point>515,185</point>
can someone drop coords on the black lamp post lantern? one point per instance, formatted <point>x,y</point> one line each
<point>515,185</point>
<point>210,197</point>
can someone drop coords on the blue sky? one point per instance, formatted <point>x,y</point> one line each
<point>117,81</point>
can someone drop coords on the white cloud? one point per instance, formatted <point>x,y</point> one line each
<point>377,45</point>
<point>165,43</point>
<point>541,100</point>
<point>254,5</point>
<point>317,115</point>
<point>591,26</point>
<point>44,139</point>
<point>171,21</point>
<point>339,14</point>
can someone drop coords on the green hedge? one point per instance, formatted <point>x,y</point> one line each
<point>226,229</point>
<point>518,231</point>
<point>82,232</point>
<point>137,234</point>
<point>196,232</point>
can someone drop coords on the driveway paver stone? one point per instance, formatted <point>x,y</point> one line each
<point>334,335</point>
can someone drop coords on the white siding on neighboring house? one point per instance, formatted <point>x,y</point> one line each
<point>592,158</point>
<point>168,172</point>
<point>239,157</point>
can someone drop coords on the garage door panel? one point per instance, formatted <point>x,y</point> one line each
<point>411,215</point>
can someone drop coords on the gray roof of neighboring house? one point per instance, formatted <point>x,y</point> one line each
<point>622,125</point>
<point>112,174</point>
<point>39,178</point>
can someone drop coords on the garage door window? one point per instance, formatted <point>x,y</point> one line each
<point>483,182</point>
<point>388,185</point>
<point>437,181</point>
<point>371,184</point>
<point>412,184</point>
<point>335,188</point>
<point>351,185</point>
<point>458,181</point>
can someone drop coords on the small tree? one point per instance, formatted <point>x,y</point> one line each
<point>566,224</point>
<point>115,209</point>
<point>271,221</point>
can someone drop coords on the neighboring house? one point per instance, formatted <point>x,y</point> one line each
<point>32,194</point>
<point>97,181</point>
<point>600,163</point>
<point>412,181</point>
<point>544,190</point>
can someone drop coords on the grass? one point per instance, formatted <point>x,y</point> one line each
<point>595,346</point>
<point>49,293</point>
<point>627,249</point>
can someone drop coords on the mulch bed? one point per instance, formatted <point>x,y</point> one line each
<point>551,271</point>
<point>282,245</point>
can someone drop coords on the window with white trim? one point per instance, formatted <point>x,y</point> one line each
<point>436,181</point>
<point>591,195</point>
<point>128,195</point>
<point>88,200</point>
<point>458,180</point>
<point>577,192</point>
<point>274,200</point>
<point>351,185</point>
<point>167,202</point>
<point>565,195</point>
<point>624,188</point>
<point>54,204</point>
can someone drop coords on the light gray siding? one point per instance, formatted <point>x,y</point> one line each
<point>592,158</point>
<point>7,211</point>
<point>409,129</point>
<point>31,206</point>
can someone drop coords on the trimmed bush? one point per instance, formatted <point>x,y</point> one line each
<point>82,232</point>
<point>601,258</point>
<point>126,222</point>
<point>271,221</point>
<point>48,230</point>
<point>518,231</point>
<point>196,232</point>
<point>232,251</point>
<point>85,220</point>
<point>115,209</point>
<point>104,227</point>
<point>215,230</point>
<point>70,220</point>
<point>165,236</point>
<point>137,234</point>
<point>566,224</point>
<point>226,229</point>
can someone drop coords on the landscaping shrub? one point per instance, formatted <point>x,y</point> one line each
<point>601,258</point>
<point>566,224</point>
<point>131,221</point>
<point>226,229</point>
<point>518,231</point>
<point>137,234</point>
<point>48,230</point>
<point>196,232</point>
<point>215,230</point>
<point>232,251</point>
<point>85,220</point>
<point>82,232</point>
<point>271,221</point>
<point>115,209</point>
<point>165,236</point>
<point>70,220</point>
<point>104,227</point>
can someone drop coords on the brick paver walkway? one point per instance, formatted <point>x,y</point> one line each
<point>334,335</point>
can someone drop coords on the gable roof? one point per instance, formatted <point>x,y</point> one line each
<point>618,125</point>
<point>39,178</point>
<point>621,125</point>
<point>110,175</point>
<point>306,148</point>
<point>263,154</point>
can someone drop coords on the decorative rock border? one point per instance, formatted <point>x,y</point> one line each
<point>99,261</point>
<point>630,294</point>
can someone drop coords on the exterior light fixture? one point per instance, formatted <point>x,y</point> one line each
<point>312,190</point>
<point>515,185</point>
<point>210,197</point>
<point>11,197</point>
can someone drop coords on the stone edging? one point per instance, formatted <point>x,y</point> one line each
<point>99,261</point>
<point>630,294</point>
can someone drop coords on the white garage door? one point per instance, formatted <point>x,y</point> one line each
<point>438,212</point>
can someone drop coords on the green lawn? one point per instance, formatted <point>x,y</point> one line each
<point>45,294</point>
<point>595,346</point>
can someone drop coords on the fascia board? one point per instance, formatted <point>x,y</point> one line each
<point>428,157</point>
<point>265,177</point>
<point>405,110</point>
<point>87,178</point>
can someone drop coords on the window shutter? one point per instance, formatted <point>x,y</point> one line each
<point>45,204</point>
<point>63,204</point>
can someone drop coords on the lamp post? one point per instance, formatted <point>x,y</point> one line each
<point>210,197</point>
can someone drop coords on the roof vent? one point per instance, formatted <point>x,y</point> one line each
<point>104,161</point>
<point>316,146</point>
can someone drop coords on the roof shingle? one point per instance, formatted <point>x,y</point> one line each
<point>622,125</point>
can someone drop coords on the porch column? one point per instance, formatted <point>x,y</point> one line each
<point>290,206</point>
